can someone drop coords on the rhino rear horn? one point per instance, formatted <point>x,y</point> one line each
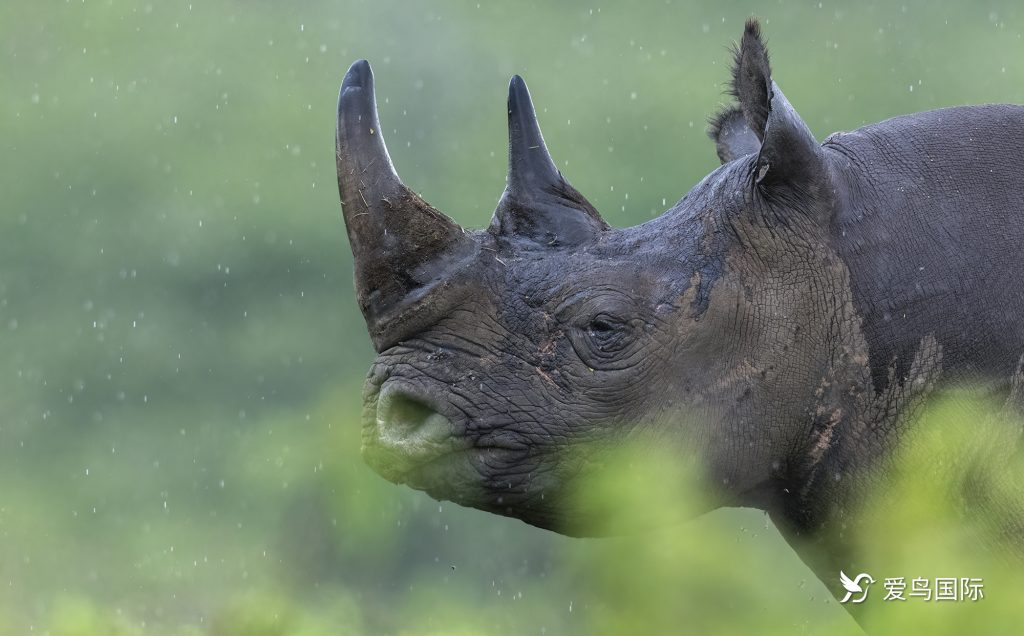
<point>538,203</point>
<point>402,247</point>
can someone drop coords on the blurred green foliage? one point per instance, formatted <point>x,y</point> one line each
<point>182,355</point>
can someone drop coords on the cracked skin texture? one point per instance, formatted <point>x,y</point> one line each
<point>780,324</point>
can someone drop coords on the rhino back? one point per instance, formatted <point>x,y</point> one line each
<point>930,222</point>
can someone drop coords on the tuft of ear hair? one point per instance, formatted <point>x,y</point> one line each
<point>731,134</point>
<point>751,77</point>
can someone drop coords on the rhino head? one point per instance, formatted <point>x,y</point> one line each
<point>509,357</point>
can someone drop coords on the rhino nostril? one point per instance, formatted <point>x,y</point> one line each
<point>409,423</point>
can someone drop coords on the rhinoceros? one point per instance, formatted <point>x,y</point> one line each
<point>776,322</point>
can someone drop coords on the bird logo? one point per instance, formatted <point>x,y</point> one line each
<point>855,587</point>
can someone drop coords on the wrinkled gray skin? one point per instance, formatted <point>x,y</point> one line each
<point>777,323</point>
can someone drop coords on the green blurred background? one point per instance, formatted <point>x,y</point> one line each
<point>181,353</point>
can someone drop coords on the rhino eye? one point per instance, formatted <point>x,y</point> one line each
<point>605,332</point>
<point>606,341</point>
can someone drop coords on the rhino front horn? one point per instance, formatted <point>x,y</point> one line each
<point>402,247</point>
<point>538,203</point>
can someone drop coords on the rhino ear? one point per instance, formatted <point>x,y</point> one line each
<point>751,78</point>
<point>789,155</point>
<point>732,136</point>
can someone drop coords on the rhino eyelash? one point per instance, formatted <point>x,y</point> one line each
<point>601,325</point>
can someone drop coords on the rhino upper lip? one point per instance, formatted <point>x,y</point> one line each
<point>462,424</point>
<point>457,444</point>
<point>420,394</point>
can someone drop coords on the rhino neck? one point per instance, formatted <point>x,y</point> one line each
<point>929,224</point>
<point>820,506</point>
